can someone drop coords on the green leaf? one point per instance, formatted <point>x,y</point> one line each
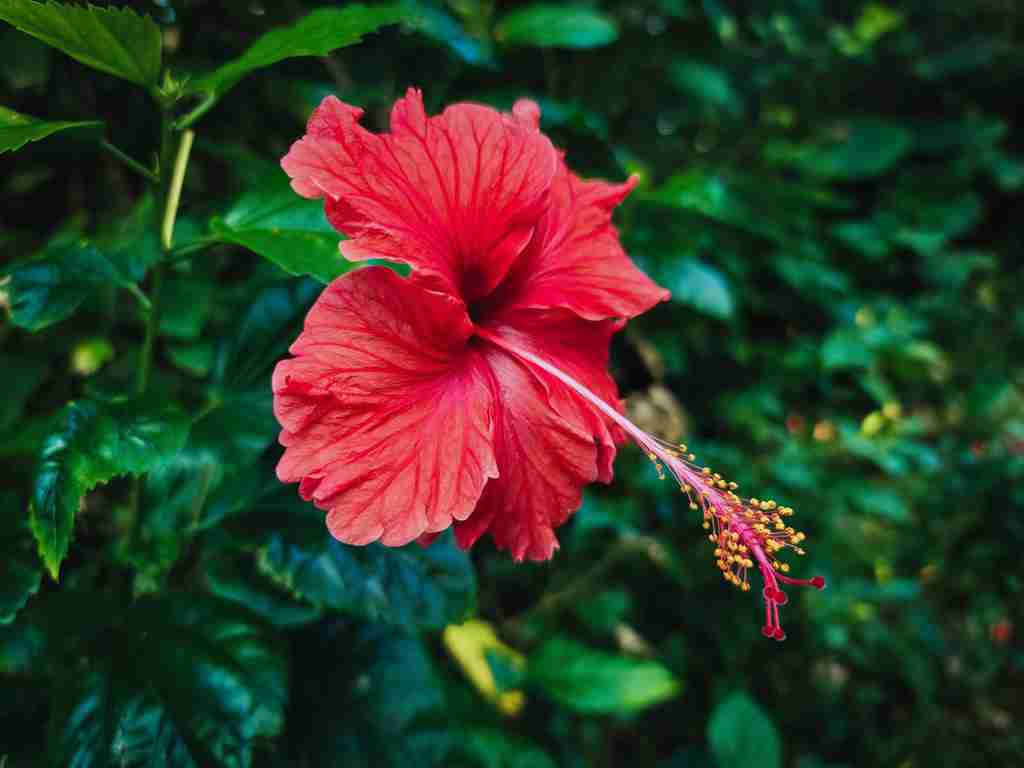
<point>702,287</point>
<point>91,443</point>
<point>741,734</point>
<point>853,150</point>
<point>439,26</point>
<point>557,26</point>
<point>493,748</point>
<point>284,228</point>
<point>596,682</point>
<point>22,375</point>
<point>211,477</point>
<point>207,480</point>
<point>381,678</point>
<point>319,33</point>
<point>51,286</point>
<point>114,40</point>
<point>131,241</point>
<point>185,305</point>
<point>17,130</point>
<point>846,348</point>
<point>185,680</point>
<point>20,569</point>
<point>707,84</point>
<point>412,586</point>
<point>233,577</point>
<point>195,359</point>
<point>262,336</point>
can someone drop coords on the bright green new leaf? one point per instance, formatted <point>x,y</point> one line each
<point>741,735</point>
<point>284,228</point>
<point>90,443</point>
<point>557,26</point>
<point>319,33</point>
<point>114,40</point>
<point>596,682</point>
<point>20,569</point>
<point>17,130</point>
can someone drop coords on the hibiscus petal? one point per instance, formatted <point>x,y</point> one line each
<point>575,259</point>
<point>455,196</point>
<point>549,442</point>
<point>387,414</point>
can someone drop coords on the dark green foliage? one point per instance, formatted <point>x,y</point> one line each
<point>16,130</point>
<point>114,40</point>
<point>832,192</point>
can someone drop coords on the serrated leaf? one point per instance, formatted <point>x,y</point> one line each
<point>16,129</point>
<point>186,680</point>
<point>50,287</point>
<point>322,31</point>
<point>209,478</point>
<point>20,568</point>
<point>284,228</point>
<point>741,734</point>
<point>557,26</point>
<point>90,443</point>
<point>114,40</point>
<point>413,586</point>
<point>594,682</point>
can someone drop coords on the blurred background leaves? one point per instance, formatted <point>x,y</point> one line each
<point>830,191</point>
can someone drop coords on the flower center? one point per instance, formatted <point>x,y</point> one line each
<point>744,531</point>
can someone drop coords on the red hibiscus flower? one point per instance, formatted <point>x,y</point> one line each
<point>474,394</point>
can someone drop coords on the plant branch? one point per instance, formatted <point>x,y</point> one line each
<point>131,162</point>
<point>204,106</point>
<point>174,191</point>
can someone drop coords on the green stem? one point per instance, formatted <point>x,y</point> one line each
<point>200,109</point>
<point>152,327</point>
<point>140,297</point>
<point>131,162</point>
<point>174,192</point>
